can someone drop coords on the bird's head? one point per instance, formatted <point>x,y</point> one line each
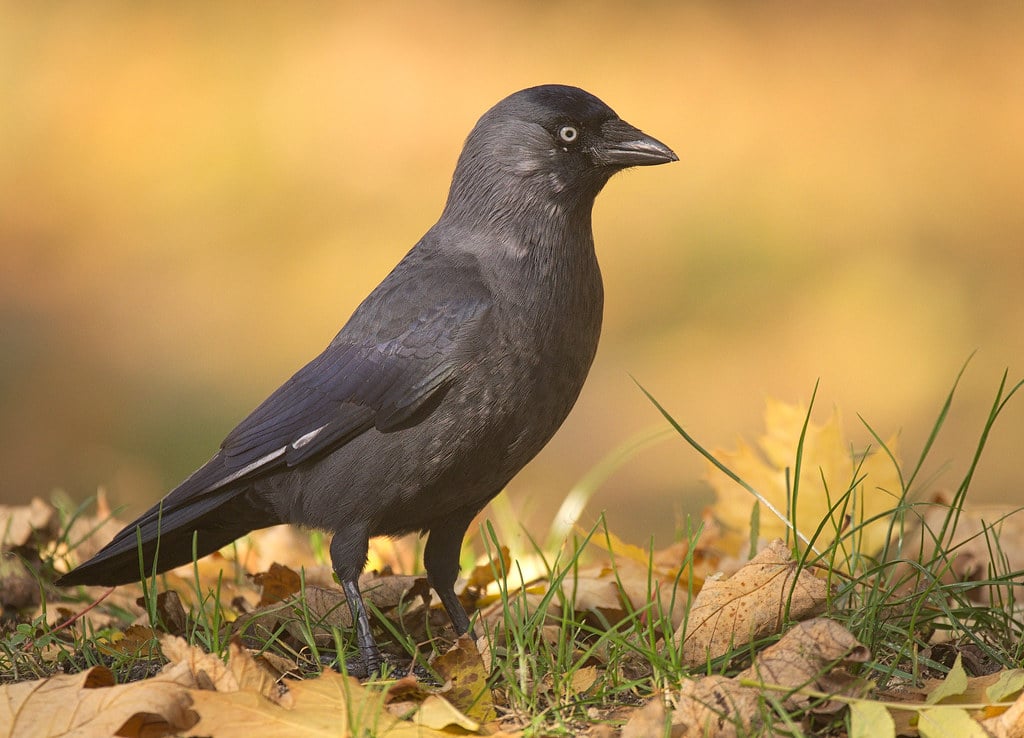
<point>552,147</point>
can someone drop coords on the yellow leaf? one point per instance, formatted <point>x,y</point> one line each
<point>870,720</point>
<point>1007,724</point>
<point>483,574</point>
<point>828,470</point>
<point>438,713</point>
<point>1009,683</point>
<point>949,722</point>
<point>617,547</point>
<point>329,705</point>
<point>953,685</point>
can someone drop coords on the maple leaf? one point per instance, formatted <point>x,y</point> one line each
<point>828,470</point>
<point>90,704</point>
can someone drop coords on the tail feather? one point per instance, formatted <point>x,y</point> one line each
<point>167,536</point>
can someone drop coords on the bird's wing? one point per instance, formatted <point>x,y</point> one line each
<point>388,383</point>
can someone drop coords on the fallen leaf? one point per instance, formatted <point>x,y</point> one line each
<point>1008,683</point>
<point>949,722</point>
<point>810,653</point>
<point>870,720</point>
<point>954,684</point>
<point>806,656</point>
<point>438,713</point>
<point>90,704</point>
<point>988,542</point>
<point>277,583</point>
<point>36,523</point>
<point>137,641</point>
<point>462,668</point>
<point>19,588</point>
<point>483,574</point>
<point>328,705</point>
<point>660,580</point>
<point>240,673</point>
<point>729,613</point>
<point>1010,724</point>
<point>649,720</point>
<point>595,591</point>
<point>582,680</point>
<point>714,706</point>
<point>170,612</point>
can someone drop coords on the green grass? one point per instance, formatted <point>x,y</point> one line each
<point>557,670</point>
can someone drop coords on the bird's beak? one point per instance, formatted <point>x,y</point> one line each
<point>622,145</point>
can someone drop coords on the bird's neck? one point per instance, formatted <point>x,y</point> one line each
<point>528,233</point>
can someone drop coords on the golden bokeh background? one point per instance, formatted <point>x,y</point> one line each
<point>194,196</point>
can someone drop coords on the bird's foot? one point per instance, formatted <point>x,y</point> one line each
<point>360,667</point>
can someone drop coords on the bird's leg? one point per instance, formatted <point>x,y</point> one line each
<point>441,560</point>
<point>348,556</point>
<point>364,638</point>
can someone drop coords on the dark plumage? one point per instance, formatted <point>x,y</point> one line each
<point>448,378</point>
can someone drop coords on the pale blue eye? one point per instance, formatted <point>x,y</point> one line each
<point>568,133</point>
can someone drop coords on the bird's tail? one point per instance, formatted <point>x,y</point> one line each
<point>163,538</point>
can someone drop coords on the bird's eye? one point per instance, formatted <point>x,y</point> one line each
<point>568,134</point>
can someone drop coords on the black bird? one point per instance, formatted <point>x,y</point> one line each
<point>448,378</point>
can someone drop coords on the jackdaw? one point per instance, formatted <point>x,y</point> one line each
<point>448,378</point>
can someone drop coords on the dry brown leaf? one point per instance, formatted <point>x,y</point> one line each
<point>88,534</point>
<point>277,584</point>
<point>90,704</point>
<point>241,672</point>
<point>647,721</point>
<point>19,588</point>
<point>583,679</point>
<point>593,590</point>
<point>714,706</point>
<point>729,613</point>
<point>170,612</point>
<point>408,691</point>
<point>636,572</point>
<point>36,523</point>
<point>276,665</point>
<point>327,705</point>
<point>327,607</point>
<point>136,641</point>
<point>988,540</point>
<point>806,656</point>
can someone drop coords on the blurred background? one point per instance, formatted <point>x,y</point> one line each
<point>195,196</point>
